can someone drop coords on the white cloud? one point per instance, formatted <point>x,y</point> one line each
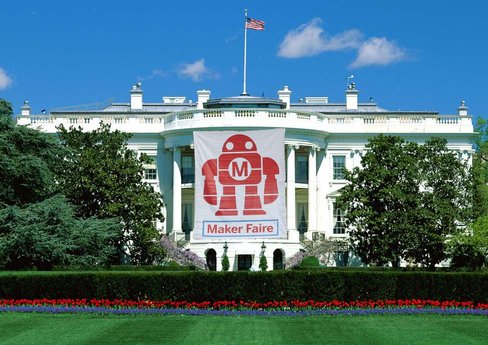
<point>378,51</point>
<point>154,73</point>
<point>310,39</point>
<point>196,71</point>
<point>5,80</point>
<point>157,73</point>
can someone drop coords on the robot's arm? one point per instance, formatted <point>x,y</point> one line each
<point>209,171</point>
<point>270,170</point>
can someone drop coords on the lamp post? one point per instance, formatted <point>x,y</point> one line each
<point>226,247</point>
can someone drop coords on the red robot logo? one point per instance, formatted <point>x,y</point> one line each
<point>240,165</point>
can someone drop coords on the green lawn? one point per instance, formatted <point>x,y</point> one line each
<point>25,329</point>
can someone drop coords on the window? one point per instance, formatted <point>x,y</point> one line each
<point>211,257</point>
<point>187,217</point>
<point>341,258</point>
<point>302,215</point>
<point>187,169</point>
<point>339,164</point>
<point>150,174</point>
<point>150,170</point>
<point>244,262</point>
<point>87,120</point>
<point>278,260</point>
<point>301,168</point>
<point>339,224</point>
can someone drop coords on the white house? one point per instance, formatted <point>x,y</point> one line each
<point>320,139</point>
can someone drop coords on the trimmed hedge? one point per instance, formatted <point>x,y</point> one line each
<point>343,285</point>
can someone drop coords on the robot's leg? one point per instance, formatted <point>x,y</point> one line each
<point>228,205</point>
<point>252,201</point>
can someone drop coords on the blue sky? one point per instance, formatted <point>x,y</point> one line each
<point>407,55</point>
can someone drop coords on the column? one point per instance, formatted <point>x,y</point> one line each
<point>312,192</point>
<point>290,193</point>
<point>176,191</point>
<point>322,189</point>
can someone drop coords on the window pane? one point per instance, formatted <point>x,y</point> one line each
<point>187,169</point>
<point>301,169</point>
<point>339,164</point>
<point>150,174</point>
<point>339,225</point>
<point>187,217</point>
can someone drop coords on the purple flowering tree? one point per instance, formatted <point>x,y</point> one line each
<point>183,257</point>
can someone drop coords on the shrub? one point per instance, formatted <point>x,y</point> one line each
<point>310,262</point>
<point>263,263</point>
<point>200,286</point>
<point>225,262</point>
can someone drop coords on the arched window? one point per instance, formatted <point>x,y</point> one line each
<point>211,256</point>
<point>277,259</point>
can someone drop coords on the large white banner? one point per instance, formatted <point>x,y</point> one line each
<point>240,184</point>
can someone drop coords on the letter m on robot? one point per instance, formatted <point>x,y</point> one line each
<point>240,165</point>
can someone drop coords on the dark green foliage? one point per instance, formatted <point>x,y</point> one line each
<point>406,201</point>
<point>29,161</point>
<point>104,179</point>
<point>263,263</point>
<point>6,112</point>
<point>225,262</point>
<point>467,255</point>
<point>47,233</point>
<point>317,285</point>
<point>480,169</point>
<point>310,262</point>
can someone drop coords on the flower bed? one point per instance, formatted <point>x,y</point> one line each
<point>283,308</point>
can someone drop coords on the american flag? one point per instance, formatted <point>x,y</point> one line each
<point>254,24</point>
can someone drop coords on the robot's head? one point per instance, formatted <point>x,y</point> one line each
<point>239,143</point>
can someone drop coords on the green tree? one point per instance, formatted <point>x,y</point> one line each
<point>405,201</point>
<point>480,169</point>
<point>105,179</point>
<point>6,111</point>
<point>29,162</point>
<point>380,200</point>
<point>47,233</point>
<point>446,198</point>
<point>469,249</point>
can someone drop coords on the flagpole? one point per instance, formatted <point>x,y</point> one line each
<point>244,93</point>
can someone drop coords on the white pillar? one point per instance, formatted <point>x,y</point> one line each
<point>322,188</point>
<point>290,194</point>
<point>312,192</point>
<point>176,190</point>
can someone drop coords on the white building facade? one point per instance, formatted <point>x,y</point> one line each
<point>321,139</point>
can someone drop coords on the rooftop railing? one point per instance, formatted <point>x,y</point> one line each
<point>340,123</point>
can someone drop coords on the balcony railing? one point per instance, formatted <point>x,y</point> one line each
<point>394,122</point>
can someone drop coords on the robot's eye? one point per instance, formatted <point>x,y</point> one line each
<point>229,146</point>
<point>248,145</point>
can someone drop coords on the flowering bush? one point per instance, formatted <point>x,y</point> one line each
<point>232,307</point>
<point>182,256</point>
<point>294,260</point>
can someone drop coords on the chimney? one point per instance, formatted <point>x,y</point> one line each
<point>136,97</point>
<point>463,109</point>
<point>351,97</point>
<point>25,110</point>
<point>203,96</point>
<point>284,96</point>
